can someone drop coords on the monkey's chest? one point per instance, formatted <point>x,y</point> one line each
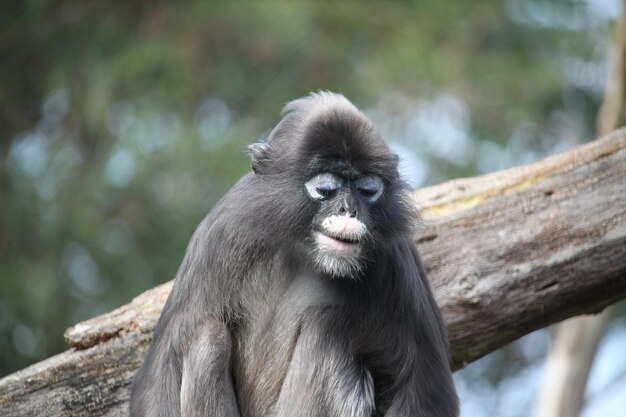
<point>298,346</point>
<point>306,362</point>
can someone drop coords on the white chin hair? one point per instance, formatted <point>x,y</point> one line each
<point>337,265</point>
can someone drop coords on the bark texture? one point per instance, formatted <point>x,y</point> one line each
<point>506,253</point>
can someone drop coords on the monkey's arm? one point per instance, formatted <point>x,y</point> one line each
<point>207,386</point>
<point>424,381</point>
<point>186,371</point>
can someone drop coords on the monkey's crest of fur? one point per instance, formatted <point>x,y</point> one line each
<point>324,121</point>
<point>317,103</point>
<point>298,114</point>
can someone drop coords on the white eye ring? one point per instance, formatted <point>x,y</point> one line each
<point>372,194</point>
<point>325,178</point>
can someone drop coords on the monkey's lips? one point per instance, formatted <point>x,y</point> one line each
<point>338,245</point>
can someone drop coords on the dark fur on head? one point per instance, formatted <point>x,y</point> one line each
<point>253,328</point>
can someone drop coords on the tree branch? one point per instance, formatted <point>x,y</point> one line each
<point>506,254</point>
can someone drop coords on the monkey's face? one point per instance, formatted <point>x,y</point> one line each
<point>340,229</point>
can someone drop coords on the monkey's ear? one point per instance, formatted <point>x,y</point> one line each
<point>259,156</point>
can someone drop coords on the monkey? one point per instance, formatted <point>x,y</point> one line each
<point>301,293</point>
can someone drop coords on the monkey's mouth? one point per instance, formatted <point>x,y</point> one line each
<point>345,245</point>
<point>344,239</point>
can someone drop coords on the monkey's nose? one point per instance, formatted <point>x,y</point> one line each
<point>348,206</point>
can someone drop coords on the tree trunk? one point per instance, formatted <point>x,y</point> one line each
<point>506,253</point>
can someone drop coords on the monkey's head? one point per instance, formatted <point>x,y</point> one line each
<point>335,184</point>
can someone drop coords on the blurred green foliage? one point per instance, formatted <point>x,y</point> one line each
<point>123,122</point>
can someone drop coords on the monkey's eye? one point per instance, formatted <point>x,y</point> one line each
<point>322,186</point>
<point>370,187</point>
<point>327,189</point>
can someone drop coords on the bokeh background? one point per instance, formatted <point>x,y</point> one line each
<point>122,123</point>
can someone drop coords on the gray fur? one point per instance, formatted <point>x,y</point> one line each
<point>254,328</point>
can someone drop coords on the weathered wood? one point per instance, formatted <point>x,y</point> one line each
<point>518,250</point>
<point>506,253</point>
